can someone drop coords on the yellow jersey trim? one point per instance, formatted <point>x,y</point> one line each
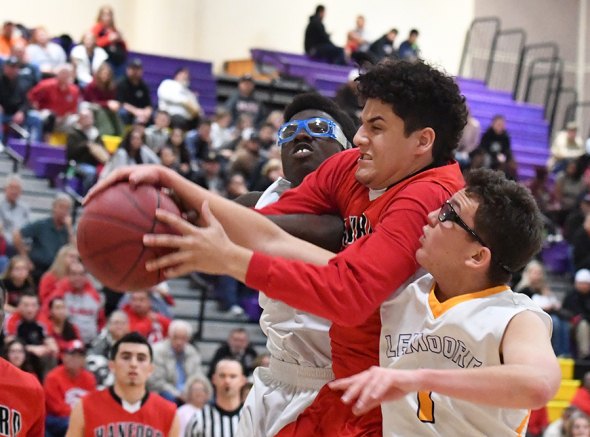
<point>439,308</point>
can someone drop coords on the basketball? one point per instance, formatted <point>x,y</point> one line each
<point>110,235</point>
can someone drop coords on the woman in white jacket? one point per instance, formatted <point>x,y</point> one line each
<point>87,57</point>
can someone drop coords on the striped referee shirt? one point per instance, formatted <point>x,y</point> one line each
<point>213,421</point>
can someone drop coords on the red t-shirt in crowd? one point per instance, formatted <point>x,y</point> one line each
<point>62,390</point>
<point>48,95</point>
<point>153,326</point>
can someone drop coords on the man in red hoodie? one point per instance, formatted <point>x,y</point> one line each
<point>64,386</point>
<point>384,189</point>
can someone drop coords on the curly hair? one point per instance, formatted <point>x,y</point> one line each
<point>317,102</point>
<point>421,96</point>
<point>508,221</point>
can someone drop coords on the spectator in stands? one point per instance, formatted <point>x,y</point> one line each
<point>158,133</point>
<point>495,142</point>
<point>357,39</point>
<point>347,97</point>
<point>317,42</point>
<point>7,39</point>
<point>569,187</point>
<point>576,305</point>
<point>16,354</point>
<point>25,325</point>
<point>28,73</point>
<point>236,347</point>
<point>575,219</point>
<point>578,425</point>
<point>66,256</point>
<point>110,39</point>
<point>469,140</point>
<point>116,327</point>
<point>567,145</point>
<point>87,57</point>
<point>543,192</point>
<point>56,100</point>
<point>384,46</point>
<point>83,302</point>
<point>131,151</point>
<point>534,284</point>
<point>270,172</point>
<point>243,101</point>
<point>409,50</point>
<point>44,53</point>
<point>150,324</point>
<point>47,235</point>
<point>84,145</point>
<point>15,213</point>
<point>581,399</point>
<point>59,327</point>
<point>236,186</point>
<point>198,141</point>
<point>175,361</point>
<point>228,379</point>
<point>557,428</point>
<point>221,130</point>
<point>17,280</point>
<point>101,94</point>
<point>247,158</point>
<point>160,299</point>
<point>198,392</point>
<point>14,105</point>
<point>176,98</point>
<point>581,245</point>
<point>134,95</point>
<point>178,145</point>
<point>64,386</point>
<point>210,174</point>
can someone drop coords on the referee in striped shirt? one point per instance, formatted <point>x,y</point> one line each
<point>220,419</point>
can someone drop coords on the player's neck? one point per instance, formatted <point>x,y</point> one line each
<point>130,394</point>
<point>447,288</point>
<point>228,403</point>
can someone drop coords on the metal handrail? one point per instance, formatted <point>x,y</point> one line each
<point>559,91</point>
<point>531,78</point>
<point>475,22</point>
<point>526,49</point>
<point>572,107</point>
<point>497,36</point>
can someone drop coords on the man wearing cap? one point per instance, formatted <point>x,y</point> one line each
<point>134,95</point>
<point>64,386</point>
<point>567,145</point>
<point>210,174</point>
<point>14,105</point>
<point>21,396</point>
<point>243,101</point>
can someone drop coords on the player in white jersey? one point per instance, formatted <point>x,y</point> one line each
<point>298,342</point>
<point>461,354</point>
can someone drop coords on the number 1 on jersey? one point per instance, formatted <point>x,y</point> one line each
<point>425,407</point>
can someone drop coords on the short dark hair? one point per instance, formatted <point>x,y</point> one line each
<point>414,32</point>
<point>181,69</point>
<point>421,96</point>
<point>318,102</point>
<point>507,219</point>
<point>319,9</point>
<point>132,337</point>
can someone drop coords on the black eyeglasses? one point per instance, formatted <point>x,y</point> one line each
<point>448,213</point>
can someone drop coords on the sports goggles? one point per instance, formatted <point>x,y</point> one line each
<point>317,127</point>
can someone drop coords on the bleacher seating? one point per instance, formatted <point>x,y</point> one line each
<point>157,68</point>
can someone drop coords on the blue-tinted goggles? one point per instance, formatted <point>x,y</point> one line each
<point>316,127</point>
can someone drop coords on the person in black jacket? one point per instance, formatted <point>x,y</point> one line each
<point>237,347</point>
<point>383,47</point>
<point>495,142</point>
<point>317,41</point>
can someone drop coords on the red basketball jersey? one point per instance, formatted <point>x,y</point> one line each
<point>22,403</point>
<point>104,416</point>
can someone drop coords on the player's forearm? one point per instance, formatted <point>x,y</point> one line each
<point>506,386</point>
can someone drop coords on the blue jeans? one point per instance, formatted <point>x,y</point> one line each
<point>33,124</point>
<point>560,339</point>
<point>56,426</point>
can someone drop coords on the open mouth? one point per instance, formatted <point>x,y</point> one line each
<point>302,150</point>
<point>365,157</point>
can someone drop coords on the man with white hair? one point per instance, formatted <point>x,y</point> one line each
<point>14,213</point>
<point>175,361</point>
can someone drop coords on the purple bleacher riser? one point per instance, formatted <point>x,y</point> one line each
<point>48,168</point>
<point>506,109</point>
<point>202,67</point>
<point>38,150</point>
<point>482,96</point>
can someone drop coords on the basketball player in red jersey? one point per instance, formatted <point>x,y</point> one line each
<point>127,405</point>
<point>22,401</point>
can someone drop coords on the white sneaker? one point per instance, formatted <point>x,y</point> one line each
<point>236,310</point>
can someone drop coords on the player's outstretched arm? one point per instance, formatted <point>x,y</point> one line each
<point>76,426</point>
<point>528,379</point>
<point>244,227</point>
<point>208,249</point>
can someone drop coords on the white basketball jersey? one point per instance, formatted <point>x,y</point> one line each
<point>463,332</point>
<point>293,336</point>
